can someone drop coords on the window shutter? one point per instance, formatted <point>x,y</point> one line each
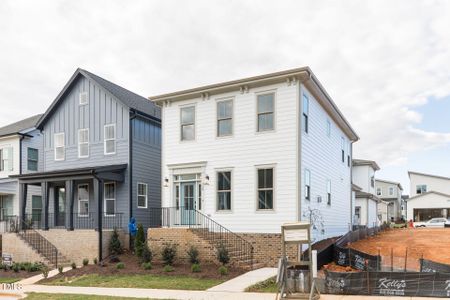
<point>10,158</point>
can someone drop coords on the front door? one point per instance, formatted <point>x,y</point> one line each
<point>188,203</point>
<point>60,206</point>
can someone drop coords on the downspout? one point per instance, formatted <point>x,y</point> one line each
<point>99,216</point>
<point>20,154</point>
<point>130,168</point>
<point>351,189</point>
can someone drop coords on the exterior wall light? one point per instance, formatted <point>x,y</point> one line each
<point>166,182</point>
<point>206,181</point>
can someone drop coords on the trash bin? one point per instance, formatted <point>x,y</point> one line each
<point>298,280</point>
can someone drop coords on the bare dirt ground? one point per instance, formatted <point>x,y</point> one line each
<point>429,243</point>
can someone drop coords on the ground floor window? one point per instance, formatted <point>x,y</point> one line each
<point>110,198</point>
<point>357,215</point>
<point>36,208</point>
<point>265,188</point>
<point>5,207</point>
<point>83,200</point>
<point>224,190</point>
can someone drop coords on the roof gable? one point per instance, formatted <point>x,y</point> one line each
<point>20,126</point>
<point>126,97</point>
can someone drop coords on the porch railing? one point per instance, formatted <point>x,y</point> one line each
<point>205,227</point>
<point>80,221</point>
<point>9,224</point>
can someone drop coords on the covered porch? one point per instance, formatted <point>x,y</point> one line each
<point>84,198</point>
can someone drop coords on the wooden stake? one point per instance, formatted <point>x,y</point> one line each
<point>406,257</point>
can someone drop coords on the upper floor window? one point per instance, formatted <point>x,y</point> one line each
<point>342,149</point>
<point>225,118</point>
<point>379,191</point>
<point>328,128</point>
<point>348,154</point>
<point>372,181</point>
<point>83,142</point>
<point>329,192</point>
<point>110,139</point>
<point>32,159</point>
<point>307,185</point>
<point>188,123</point>
<point>265,189</point>
<point>224,190</point>
<point>265,111</point>
<point>142,195</point>
<point>420,189</point>
<point>305,113</point>
<point>60,150</point>
<point>83,98</point>
<point>391,191</point>
<point>6,159</point>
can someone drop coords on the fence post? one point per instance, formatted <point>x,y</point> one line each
<point>378,260</point>
<point>406,257</point>
<point>421,263</point>
<point>392,260</point>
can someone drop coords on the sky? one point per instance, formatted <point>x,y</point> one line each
<point>385,63</point>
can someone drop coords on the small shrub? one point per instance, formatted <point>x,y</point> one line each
<point>139,241</point>
<point>95,261</point>
<point>74,265</point>
<point>168,253</point>
<point>147,265</point>
<point>5,267</point>
<point>120,266</point>
<point>195,268</point>
<point>168,268</point>
<point>35,267</point>
<point>16,267</point>
<point>85,262</point>
<point>222,255</point>
<point>193,255</point>
<point>115,246</point>
<point>45,271</point>
<point>223,270</point>
<point>60,269</point>
<point>147,254</point>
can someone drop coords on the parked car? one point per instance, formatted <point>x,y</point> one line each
<point>433,223</point>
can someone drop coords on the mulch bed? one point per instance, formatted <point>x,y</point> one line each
<point>21,274</point>
<point>133,267</point>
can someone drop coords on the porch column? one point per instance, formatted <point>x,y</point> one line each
<point>70,197</point>
<point>46,199</point>
<point>23,189</point>
<point>98,196</point>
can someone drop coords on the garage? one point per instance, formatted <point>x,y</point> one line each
<point>428,205</point>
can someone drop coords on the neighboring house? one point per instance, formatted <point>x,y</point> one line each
<point>390,191</point>
<point>20,153</point>
<point>429,197</point>
<point>254,153</point>
<point>366,203</point>
<point>101,165</point>
<point>383,207</point>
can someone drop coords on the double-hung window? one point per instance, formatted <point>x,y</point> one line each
<point>224,190</point>
<point>6,159</point>
<point>83,143</point>
<point>305,114</point>
<point>83,200</point>
<point>142,195</point>
<point>307,185</point>
<point>420,189</point>
<point>265,189</point>
<point>83,98</point>
<point>379,191</point>
<point>60,150</point>
<point>342,149</point>
<point>110,139</point>
<point>32,159</point>
<point>187,123</point>
<point>265,111</point>
<point>225,117</point>
<point>391,191</point>
<point>110,199</point>
<point>36,208</point>
<point>329,192</point>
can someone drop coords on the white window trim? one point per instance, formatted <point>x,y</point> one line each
<point>307,128</point>
<point>274,181</point>
<point>381,191</point>
<point>113,139</point>
<point>28,159</point>
<point>309,185</point>
<point>261,93</point>
<point>63,146</point>
<point>80,95</point>
<point>85,143</point>
<point>389,191</point>
<point>105,199</point>
<point>138,195</point>
<point>217,117</point>
<point>329,192</point>
<point>181,107</point>
<point>221,211</point>
<point>79,200</point>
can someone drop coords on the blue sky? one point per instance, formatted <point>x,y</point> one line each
<point>385,63</point>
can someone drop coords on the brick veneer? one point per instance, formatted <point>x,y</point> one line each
<point>267,246</point>
<point>20,251</point>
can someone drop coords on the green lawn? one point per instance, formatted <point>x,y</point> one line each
<point>42,296</point>
<point>8,280</point>
<point>139,281</point>
<point>266,286</point>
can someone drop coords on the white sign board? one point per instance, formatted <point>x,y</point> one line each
<point>295,235</point>
<point>7,259</point>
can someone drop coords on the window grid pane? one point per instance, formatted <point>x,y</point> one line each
<point>265,189</point>
<point>224,190</point>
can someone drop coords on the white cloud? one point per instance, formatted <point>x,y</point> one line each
<point>380,60</point>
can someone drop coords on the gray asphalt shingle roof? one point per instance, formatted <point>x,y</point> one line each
<point>19,126</point>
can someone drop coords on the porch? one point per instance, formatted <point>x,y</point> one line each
<point>85,198</point>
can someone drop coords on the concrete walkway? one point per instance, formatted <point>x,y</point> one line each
<point>240,283</point>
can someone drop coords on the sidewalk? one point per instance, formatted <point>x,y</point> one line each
<point>240,283</point>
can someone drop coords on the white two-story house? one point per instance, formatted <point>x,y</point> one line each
<point>20,153</point>
<point>254,153</point>
<point>390,192</point>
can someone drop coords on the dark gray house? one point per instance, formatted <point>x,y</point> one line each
<point>101,158</point>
